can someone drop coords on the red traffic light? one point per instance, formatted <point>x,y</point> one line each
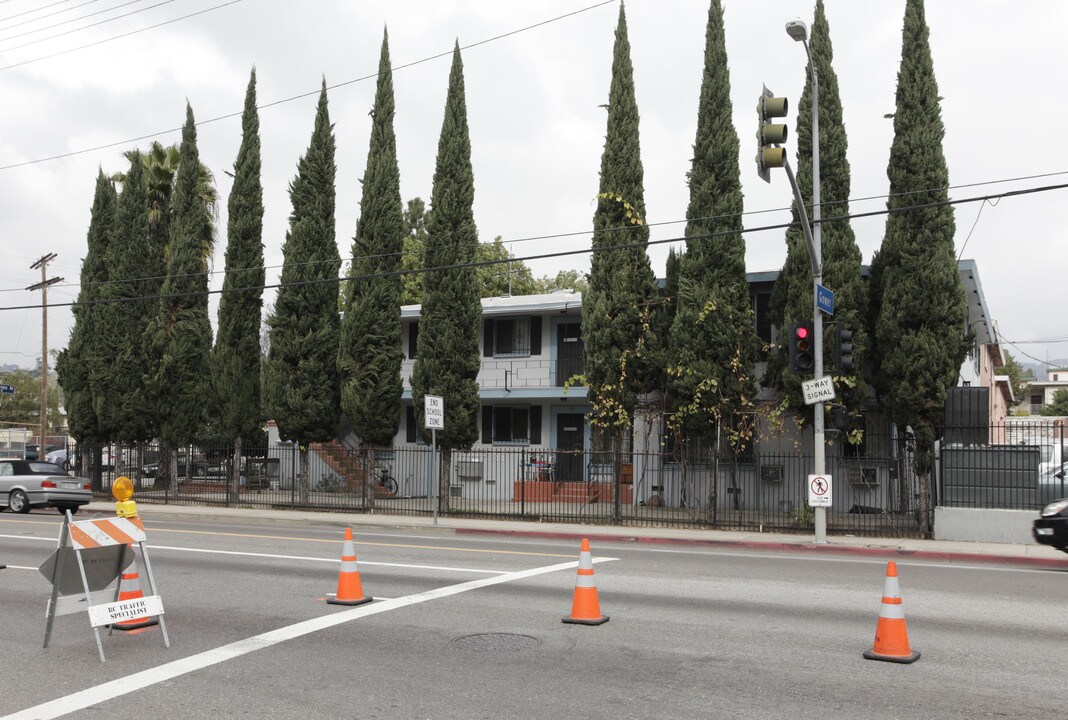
<point>802,332</point>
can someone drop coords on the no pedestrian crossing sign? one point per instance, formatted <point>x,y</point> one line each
<point>434,412</point>
<point>819,490</point>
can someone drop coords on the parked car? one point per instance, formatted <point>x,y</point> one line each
<point>26,484</point>
<point>1051,528</point>
<point>33,454</point>
<point>199,469</point>
<point>58,457</point>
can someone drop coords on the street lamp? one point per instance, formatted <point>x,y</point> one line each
<point>797,30</point>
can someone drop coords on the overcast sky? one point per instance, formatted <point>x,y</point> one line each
<point>536,75</point>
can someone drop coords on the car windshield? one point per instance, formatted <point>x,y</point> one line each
<point>43,468</point>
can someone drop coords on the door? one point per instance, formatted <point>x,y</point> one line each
<point>569,351</point>
<point>569,455</point>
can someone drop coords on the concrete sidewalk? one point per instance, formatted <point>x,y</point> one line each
<point>1031,554</point>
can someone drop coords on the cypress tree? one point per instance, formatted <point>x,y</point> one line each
<point>83,354</point>
<point>369,359</point>
<point>133,304</point>
<point>713,339</point>
<point>792,297</point>
<point>447,362</point>
<point>183,382</point>
<point>922,312</point>
<point>414,251</point>
<point>618,310</point>
<point>303,390</point>
<point>236,355</point>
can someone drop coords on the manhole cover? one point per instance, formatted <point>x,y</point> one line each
<point>497,642</point>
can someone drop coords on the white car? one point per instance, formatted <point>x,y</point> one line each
<point>27,484</point>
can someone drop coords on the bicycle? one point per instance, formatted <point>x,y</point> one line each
<point>384,479</point>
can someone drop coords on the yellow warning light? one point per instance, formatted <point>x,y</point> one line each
<point>122,489</point>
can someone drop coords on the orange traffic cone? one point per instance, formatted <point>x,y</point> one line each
<point>349,588</point>
<point>891,635</point>
<point>585,609</point>
<point>130,589</point>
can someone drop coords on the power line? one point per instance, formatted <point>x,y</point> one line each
<point>84,27</point>
<point>557,236</point>
<point>48,15</point>
<point>288,99</point>
<point>116,37</point>
<point>30,12</point>
<point>562,253</point>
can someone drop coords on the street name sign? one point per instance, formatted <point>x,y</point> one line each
<point>825,300</point>
<point>818,390</point>
<point>7,389</point>
<point>434,412</point>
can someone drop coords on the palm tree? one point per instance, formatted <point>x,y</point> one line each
<point>161,165</point>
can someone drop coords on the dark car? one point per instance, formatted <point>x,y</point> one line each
<point>1051,528</point>
<point>32,452</point>
<point>26,484</point>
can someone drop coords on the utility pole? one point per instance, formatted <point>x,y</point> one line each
<point>43,287</point>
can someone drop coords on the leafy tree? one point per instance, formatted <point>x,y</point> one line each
<point>563,280</point>
<point>1059,405</point>
<point>84,353</point>
<point>922,313</point>
<point>236,355</point>
<point>183,334</point>
<point>132,297</point>
<point>414,252</point>
<point>792,297</point>
<point>713,339</point>
<point>303,389</point>
<point>618,310</point>
<point>502,278</point>
<point>369,359</point>
<point>1018,377</point>
<point>24,406</point>
<point>448,361</point>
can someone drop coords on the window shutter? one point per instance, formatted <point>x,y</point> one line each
<point>535,335</point>
<point>409,424</point>
<point>487,338</point>
<point>413,339</point>
<point>535,424</point>
<point>487,424</point>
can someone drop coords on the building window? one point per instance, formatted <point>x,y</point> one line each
<point>511,424</point>
<point>512,337</point>
<point>676,446</point>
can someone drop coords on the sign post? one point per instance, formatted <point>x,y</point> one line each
<point>434,419</point>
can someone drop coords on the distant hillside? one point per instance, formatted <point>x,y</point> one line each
<point>1039,369</point>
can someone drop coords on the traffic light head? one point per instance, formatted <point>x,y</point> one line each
<point>843,350</point>
<point>802,359</point>
<point>770,134</point>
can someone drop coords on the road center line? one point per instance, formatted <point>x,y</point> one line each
<point>168,671</point>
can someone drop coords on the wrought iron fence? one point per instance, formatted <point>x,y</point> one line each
<point>764,492</point>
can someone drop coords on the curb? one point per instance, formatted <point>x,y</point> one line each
<point>936,555</point>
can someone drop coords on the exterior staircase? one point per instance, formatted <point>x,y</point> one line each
<point>347,465</point>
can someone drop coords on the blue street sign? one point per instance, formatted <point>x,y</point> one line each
<point>825,300</point>
<point>7,389</point>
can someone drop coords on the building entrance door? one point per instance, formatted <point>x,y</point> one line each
<point>570,431</point>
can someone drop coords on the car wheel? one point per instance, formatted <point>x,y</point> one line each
<point>18,502</point>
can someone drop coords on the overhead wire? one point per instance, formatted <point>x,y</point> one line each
<point>292,98</point>
<point>84,27</point>
<point>557,236</point>
<point>541,256</point>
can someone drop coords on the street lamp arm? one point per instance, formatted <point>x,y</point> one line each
<point>813,255</point>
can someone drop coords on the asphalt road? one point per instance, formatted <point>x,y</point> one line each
<point>469,626</point>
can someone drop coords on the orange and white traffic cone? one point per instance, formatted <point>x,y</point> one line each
<point>585,608</point>
<point>349,588</point>
<point>891,635</point>
<point>130,589</point>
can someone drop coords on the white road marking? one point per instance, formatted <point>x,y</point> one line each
<point>168,671</point>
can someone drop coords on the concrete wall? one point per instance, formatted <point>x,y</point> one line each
<point>977,525</point>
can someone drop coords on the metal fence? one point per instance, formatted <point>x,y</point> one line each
<point>763,492</point>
